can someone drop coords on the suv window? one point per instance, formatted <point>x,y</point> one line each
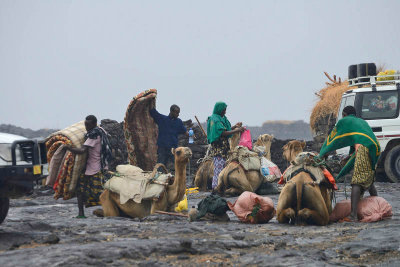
<point>379,105</point>
<point>5,152</point>
<point>346,101</point>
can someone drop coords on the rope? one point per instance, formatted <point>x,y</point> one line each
<point>206,157</point>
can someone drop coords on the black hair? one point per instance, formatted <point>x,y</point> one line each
<point>349,110</point>
<point>174,107</point>
<point>92,118</point>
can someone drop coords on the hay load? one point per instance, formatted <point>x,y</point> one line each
<point>324,114</point>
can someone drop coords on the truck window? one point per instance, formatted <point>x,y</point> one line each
<point>346,101</point>
<point>5,152</point>
<point>379,105</point>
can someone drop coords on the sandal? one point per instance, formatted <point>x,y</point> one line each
<point>346,219</point>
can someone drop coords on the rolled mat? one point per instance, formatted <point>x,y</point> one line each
<point>72,165</point>
<point>141,131</point>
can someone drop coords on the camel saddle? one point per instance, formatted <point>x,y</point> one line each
<point>249,160</point>
<point>131,182</point>
<point>304,163</point>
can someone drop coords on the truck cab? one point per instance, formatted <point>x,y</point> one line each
<point>21,165</point>
<point>376,100</point>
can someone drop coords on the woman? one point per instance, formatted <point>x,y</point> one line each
<point>218,132</point>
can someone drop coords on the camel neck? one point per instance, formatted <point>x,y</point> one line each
<point>179,184</point>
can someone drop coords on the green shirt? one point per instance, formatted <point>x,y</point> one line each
<point>350,131</point>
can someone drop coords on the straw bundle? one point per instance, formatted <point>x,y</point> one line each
<point>329,101</point>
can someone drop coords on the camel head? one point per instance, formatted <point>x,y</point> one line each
<point>263,139</point>
<point>234,141</point>
<point>292,149</point>
<point>181,154</point>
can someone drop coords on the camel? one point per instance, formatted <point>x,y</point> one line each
<point>292,149</point>
<point>234,180</point>
<point>205,172</point>
<point>301,201</point>
<point>265,141</point>
<point>167,201</point>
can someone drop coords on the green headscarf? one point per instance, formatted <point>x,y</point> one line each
<point>350,131</point>
<point>216,124</point>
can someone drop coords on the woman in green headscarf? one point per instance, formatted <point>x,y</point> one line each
<point>364,153</point>
<point>218,132</point>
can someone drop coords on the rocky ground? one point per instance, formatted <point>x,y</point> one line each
<point>40,231</point>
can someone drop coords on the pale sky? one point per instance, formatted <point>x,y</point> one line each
<point>62,60</point>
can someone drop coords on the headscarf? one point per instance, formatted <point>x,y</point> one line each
<point>105,152</point>
<point>216,124</point>
<point>350,131</point>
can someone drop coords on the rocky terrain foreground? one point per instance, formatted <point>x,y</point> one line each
<point>40,231</point>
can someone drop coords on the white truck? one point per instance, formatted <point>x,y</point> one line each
<point>376,100</point>
<point>22,163</point>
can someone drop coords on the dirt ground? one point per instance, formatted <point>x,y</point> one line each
<point>40,231</point>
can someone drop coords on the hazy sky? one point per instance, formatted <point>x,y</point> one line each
<point>62,60</point>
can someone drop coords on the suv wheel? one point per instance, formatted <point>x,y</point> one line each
<point>392,164</point>
<point>4,205</point>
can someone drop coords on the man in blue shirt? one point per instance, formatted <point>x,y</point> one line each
<point>169,127</point>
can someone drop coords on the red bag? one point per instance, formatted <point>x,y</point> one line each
<point>373,209</point>
<point>252,208</point>
<point>341,210</point>
<point>245,139</point>
<point>370,209</point>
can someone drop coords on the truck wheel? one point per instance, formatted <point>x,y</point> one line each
<point>4,205</point>
<point>392,164</point>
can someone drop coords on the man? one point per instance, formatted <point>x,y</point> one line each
<point>169,127</point>
<point>98,151</point>
<point>364,153</point>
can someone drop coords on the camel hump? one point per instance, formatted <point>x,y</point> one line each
<point>156,167</point>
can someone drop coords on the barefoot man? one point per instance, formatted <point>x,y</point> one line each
<point>98,151</point>
<point>364,153</point>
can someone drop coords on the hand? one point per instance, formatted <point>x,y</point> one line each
<point>240,129</point>
<point>239,124</point>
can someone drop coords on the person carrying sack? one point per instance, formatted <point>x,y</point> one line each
<point>98,149</point>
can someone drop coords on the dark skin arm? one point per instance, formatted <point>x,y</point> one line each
<point>235,129</point>
<point>76,150</point>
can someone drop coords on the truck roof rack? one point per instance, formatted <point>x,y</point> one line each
<point>392,79</point>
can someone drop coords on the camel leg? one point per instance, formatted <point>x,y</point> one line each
<point>160,204</point>
<point>108,205</point>
<point>315,211</point>
<point>287,200</point>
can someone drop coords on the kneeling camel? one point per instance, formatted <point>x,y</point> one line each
<point>174,193</point>
<point>301,201</point>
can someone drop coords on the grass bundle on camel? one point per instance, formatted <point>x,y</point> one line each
<point>327,106</point>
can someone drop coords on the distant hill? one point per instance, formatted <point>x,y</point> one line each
<point>26,132</point>
<point>283,130</point>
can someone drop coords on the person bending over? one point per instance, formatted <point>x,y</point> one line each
<point>364,153</point>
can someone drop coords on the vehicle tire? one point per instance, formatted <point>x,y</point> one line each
<point>4,205</point>
<point>392,164</point>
